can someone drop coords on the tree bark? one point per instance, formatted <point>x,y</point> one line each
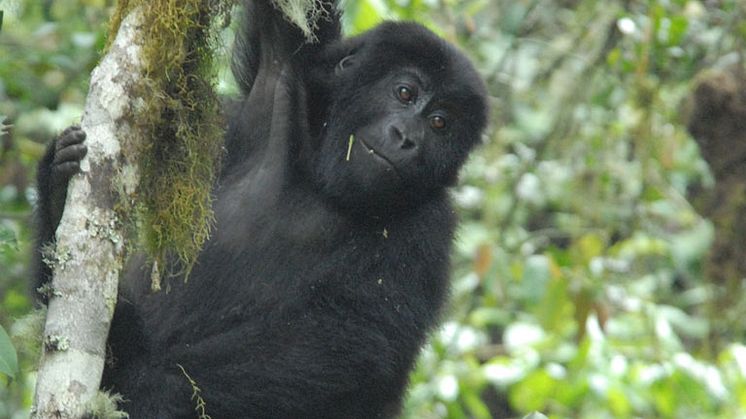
<point>90,239</point>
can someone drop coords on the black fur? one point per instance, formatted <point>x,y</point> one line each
<point>324,274</point>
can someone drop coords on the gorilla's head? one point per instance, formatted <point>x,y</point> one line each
<point>403,109</point>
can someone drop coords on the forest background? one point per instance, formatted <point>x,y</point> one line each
<point>600,264</point>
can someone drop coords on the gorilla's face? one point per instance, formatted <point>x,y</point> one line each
<point>401,111</point>
<point>402,137</point>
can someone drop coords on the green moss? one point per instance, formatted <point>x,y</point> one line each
<point>182,125</point>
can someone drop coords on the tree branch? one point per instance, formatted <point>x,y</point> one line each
<point>90,239</point>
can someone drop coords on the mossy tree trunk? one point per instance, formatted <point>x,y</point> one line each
<point>90,239</point>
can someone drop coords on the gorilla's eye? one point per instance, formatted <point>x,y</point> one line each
<point>438,122</point>
<point>405,94</point>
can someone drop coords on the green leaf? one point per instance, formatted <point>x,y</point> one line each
<point>488,316</point>
<point>534,392</point>
<point>8,240</point>
<point>8,356</point>
<point>587,247</point>
<point>536,275</point>
<point>474,403</point>
<point>677,30</point>
<point>365,14</point>
<point>619,403</point>
<point>555,311</point>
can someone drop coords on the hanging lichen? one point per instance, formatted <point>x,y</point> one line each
<point>303,13</point>
<point>180,119</point>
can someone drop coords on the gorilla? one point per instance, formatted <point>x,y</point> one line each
<point>329,262</point>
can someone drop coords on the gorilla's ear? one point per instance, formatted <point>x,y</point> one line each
<point>345,63</point>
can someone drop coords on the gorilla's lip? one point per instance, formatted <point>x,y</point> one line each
<point>378,154</point>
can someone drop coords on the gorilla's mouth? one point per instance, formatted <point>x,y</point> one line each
<point>377,155</point>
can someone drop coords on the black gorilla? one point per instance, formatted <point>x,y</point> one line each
<point>328,265</point>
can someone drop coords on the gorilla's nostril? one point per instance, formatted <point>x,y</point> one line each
<point>398,134</point>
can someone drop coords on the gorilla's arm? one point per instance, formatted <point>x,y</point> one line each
<point>271,50</point>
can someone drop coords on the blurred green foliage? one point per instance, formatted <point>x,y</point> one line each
<point>579,289</point>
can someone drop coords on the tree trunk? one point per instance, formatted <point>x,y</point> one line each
<point>90,238</point>
<point>717,121</point>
